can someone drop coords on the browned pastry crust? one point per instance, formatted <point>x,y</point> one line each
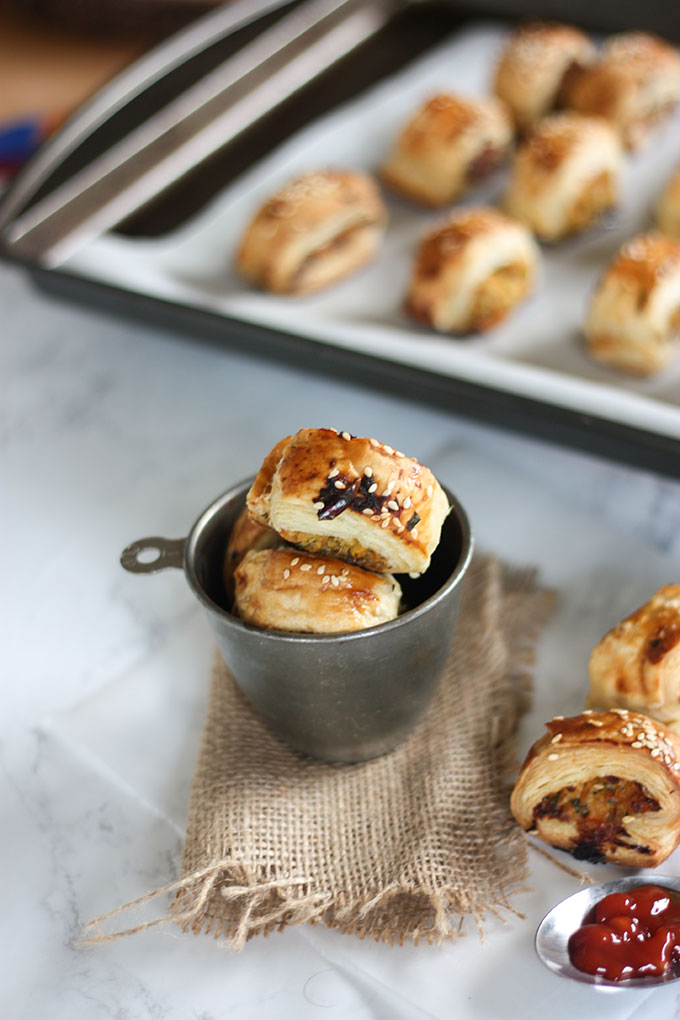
<point>636,665</point>
<point>449,145</point>
<point>604,786</point>
<point>634,316</point>
<point>634,85</point>
<point>470,273</point>
<point>565,175</point>
<point>350,497</point>
<point>314,231</point>
<point>246,535</point>
<point>668,208</point>
<point>283,589</point>
<point>538,59</point>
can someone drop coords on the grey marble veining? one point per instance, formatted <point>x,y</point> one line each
<point>110,431</point>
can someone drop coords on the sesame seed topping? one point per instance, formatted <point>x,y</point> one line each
<point>558,717</point>
<point>414,532</point>
<point>385,523</point>
<point>344,572</point>
<point>318,505</point>
<point>620,711</point>
<point>339,485</point>
<point>388,488</point>
<point>656,751</point>
<point>321,569</point>
<point>374,443</point>
<point>286,574</point>
<point>596,722</point>
<point>637,743</point>
<point>553,757</point>
<point>334,472</point>
<point>335,582</point>
<point>345,435</point>
<point>367,510</point>
<point>392,504</point>
<point>306,566</point>
<point>399,453</point>
<point>398,525</point>
<point>587,711</point>
<point>294,562</point>
<point>326,579</point>
<point>368,471</point>
<point>414,574</point>
<point>641,736</point>
<point>556,738</point>
<point>628,819</point>
<point>388,449</point>
<point>373,488</point>
<point>407,503</point>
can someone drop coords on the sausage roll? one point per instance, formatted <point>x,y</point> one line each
<point>246,534</point>
<point>668,208</point>
<point>472,271</point>
<point>282,589</point>
<point>356,499</point>
<point>312,232</point>
<point>637,664</point>
<point>538,59</point>
<point>634,85</point>
<point>565,175</point>
<point>634,315</point>
<point>605,787</point>
<point>450,144</point>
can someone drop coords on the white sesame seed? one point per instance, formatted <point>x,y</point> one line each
<point>306,566</point>
<point>385,523</point>
<point>344,572</point>
<point>388,449</point>
<point>596,722</point>
<point>321,569</point>
<point>399,453</point>
<point>367,511</point>
<point>345,435</point>
<point>558,717</point>
<point>414,574</point>
<point>374,443</point>
<point>414,532</point>
<point>587,711</point>
<point>656,751</point>
<point>286,574</point>
<point>335,582</point>
<point>628,819</point>
<point>295,561</point>
<point>553,757</point>
<point>392,504</point>
<point>407,502</point>
<point>398,525</point>
<point>556,738</point>
<point>368,471</point>
<point>326,579</point>
<point>318,505</point>
<point>388,488</point>
<point>641,736</point>
<point>339,485</point>
<point>637,743</point>
<point>373,488</point>
<point>334,472</point>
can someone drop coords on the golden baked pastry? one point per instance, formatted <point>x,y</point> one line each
<point>283,589</point>
<point>246,535</point>
<point>636,665</point>
<point>634,85</point>
<point>538,59</point>
<point>565,175</point>
<point>314,231</point>
<point>668,208</point>
<point>634,315</point>
<point>352,498</point>
<point>471,271</point>
<point>604,786</point>
<point>449,145</point>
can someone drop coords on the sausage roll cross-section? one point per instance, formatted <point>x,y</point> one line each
<point>604,787</point>
<point>633,320</point>
<point>246,535</point>
<point>471,272</point>
<point>634,85</point>
<point>636,665</point>
<point>449,145</point>
<point>565,175</point>
<point>284,589</point>
<point>352,498</point>
<point>314,231</point>
<point>537,61</point>
<point>668,208</point>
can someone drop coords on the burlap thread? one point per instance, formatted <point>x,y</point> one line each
<point>402,848</point>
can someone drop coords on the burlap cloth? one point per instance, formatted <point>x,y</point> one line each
<point>404,847</point>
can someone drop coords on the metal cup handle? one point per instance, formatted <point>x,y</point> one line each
<point>166,552</point>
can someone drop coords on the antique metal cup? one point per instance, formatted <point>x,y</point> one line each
<point>340,697</point>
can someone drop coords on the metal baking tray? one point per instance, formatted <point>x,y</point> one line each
<point>395,49</point>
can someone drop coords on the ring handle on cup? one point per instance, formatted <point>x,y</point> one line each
<point>149,555</point>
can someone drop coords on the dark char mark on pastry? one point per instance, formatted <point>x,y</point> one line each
<point>339,494</point>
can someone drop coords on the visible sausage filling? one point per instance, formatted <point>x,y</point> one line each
<point>599,194</point>
<point>498,294</point>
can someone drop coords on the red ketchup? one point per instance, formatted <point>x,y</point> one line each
<point>631,934</point>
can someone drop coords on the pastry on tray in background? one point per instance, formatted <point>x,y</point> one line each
<point>314,231</point>
<point>668,208</point>
<point>537,60</point>
<point>286,589</point>
<point>636,665</point>
<point>634,85</point>
<point>246,536</point>
<point>603,786</point>
<point>565,175</point>
<point>471,271</point>
<point>633,321</point>
<point>352,498</point>
<point>448,146</point>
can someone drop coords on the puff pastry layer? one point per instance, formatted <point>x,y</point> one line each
<point>352,498</point>
<point>605,787</point>
<point>668,208</point>
<point>565,175</point>
<point>282,589</point>
<point>634,85</point>
<point>449,145</point>
<point>636,665</point>
<point>312,232</point>
<point>537,61</point>
<point>634,315</point>
<point>246,535</point>
<point>472,271</point>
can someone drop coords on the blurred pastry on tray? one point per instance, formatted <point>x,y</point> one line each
<point>604,786</point>
<point>668,208</point>
<point>314,231</point>
<point>450,144</point>
<point>634,85</point>
<point>471,271</point>
<point>565,175</point>
<point>285,589</point>
<point>350,498</point>
<point>636,665</point>
<point>537,61</point>
<point>633,321</point>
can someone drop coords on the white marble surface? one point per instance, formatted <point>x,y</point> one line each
<point>111,431</point>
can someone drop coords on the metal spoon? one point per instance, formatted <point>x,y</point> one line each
<point>552,934</point>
